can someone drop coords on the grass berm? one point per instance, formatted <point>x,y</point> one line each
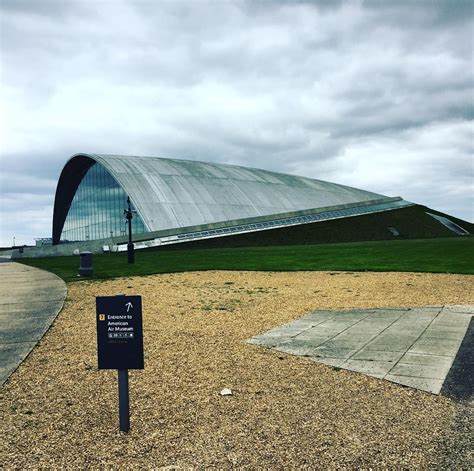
<point>439,255</point>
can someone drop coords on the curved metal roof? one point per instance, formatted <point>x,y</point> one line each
<point>171,193</point>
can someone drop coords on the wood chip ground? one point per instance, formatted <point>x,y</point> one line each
<point>59,411</point>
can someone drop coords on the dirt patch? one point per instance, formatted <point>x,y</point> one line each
<point>59,411</point>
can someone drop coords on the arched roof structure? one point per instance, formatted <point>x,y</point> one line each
<point>171,193</point>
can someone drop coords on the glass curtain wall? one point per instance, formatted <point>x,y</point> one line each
<point>96,211</point>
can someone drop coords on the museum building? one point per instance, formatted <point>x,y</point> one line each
<point>177,201</point>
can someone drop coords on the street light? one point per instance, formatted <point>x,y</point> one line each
<point>128,213</point>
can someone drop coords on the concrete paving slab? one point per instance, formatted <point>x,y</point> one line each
<point>333,362</point>
<point>365,328</point>
<point>426,360</point>
<point>414,311</point>
<point>440,333</point>
<point>373,355</point>
<point>416,320</point>
<point>380,368</point>
<point>30,300</point>
<point>436,346</point>
<point>348,316</point>
<point>395,345</point>
<point>343,343</point>
<point>452,324</point>
<point>319,316</point>
<point>351,335</point>
<point>314,340</point>
<point>425,384</point>
<point>316,333</point>
<point>460,308</point>
<point>328,329</point>
<point>338,326</point>
<point>276,333</point>
<point>414,347</point>
<point>420,371</point>
<point>304,324</point>
<point>326,352</point>
<point>448,318</point>
<point>302,348</point>
<point>270,342</point>
<point>289,332</point>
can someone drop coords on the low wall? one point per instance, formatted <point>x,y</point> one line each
<point>6,253</point>
<point>61,250</point>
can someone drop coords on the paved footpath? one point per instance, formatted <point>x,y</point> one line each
<point>30,300</point>
<point>414,347</point>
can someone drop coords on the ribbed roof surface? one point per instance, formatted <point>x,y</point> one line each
<point>171,193</point>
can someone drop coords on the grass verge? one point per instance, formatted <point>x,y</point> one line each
<point>441,255</point>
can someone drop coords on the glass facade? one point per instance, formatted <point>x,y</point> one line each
<point>96,211</point>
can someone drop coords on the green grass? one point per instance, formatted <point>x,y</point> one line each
<point>446,255</point>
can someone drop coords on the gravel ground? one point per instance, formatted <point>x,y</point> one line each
<point>58,410</point>
<point>455,450</point>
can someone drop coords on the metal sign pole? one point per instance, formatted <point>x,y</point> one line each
<point>124,403</point>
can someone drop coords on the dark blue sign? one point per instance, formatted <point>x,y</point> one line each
<point>119,332</point>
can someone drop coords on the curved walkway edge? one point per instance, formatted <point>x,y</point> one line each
<point>30,300</point>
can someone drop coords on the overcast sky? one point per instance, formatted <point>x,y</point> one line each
<point>376,95</point>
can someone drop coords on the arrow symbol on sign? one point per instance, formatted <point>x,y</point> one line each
<point>129,306</point>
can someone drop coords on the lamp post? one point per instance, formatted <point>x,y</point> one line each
<point>128,213</point>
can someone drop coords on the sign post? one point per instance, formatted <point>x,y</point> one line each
<point>120,343</point>
<point>124,402</point>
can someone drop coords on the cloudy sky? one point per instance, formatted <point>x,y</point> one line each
<point>373,94</point>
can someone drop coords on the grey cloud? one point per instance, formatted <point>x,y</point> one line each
<point>309,87</point>
<point>427,12</point>
<point>43,8</point>
<point>10,182</point>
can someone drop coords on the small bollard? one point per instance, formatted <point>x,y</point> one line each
<point>85,267</point>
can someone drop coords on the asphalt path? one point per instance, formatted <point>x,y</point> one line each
<point>30,300</point>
